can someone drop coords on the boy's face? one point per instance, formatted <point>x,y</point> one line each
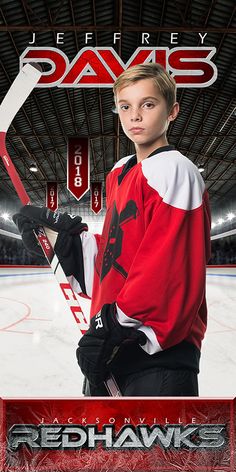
<point>143,112</point>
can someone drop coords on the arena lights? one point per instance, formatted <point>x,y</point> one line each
<point>200,168</point>
<point>229,217</point>
<point>5,216</point>
<point>33,167</point>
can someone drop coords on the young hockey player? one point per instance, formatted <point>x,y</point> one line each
<point>148,311</point>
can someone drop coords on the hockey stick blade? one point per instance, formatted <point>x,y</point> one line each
<point>14,99</point>
<point>16,96</point>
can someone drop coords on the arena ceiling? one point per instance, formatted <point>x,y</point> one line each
<point>205,130</point>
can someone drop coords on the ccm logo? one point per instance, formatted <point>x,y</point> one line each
<point>99,67</point>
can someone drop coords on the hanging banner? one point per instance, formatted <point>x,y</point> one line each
<point>52,196</point>
<point>96,197</point>
<point>78,169</point>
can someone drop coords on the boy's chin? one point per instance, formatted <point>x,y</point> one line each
<point>139,140</point>
<point>145,142</point>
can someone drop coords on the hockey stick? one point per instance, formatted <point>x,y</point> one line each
<point>11,104</point>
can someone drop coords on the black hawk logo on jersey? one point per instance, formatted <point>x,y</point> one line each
<point>115,238</point>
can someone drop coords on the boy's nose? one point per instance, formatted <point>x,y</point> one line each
<point>136,115</point>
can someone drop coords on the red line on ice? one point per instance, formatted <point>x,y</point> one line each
<point>21,319</point>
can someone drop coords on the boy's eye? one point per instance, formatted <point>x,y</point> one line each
<point>148,105</point>
<point>124,107</point>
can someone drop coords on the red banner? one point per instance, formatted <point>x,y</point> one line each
<point>52,196</point>
<point>152,435</point>
<point>78,172</point>
<point>96,197</point>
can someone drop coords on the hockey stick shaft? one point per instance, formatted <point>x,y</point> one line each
<point>31,79</point>
<point>14,176</point>
<point>53,261</point>
<point>43,240</point>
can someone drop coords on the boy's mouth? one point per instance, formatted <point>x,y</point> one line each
<point>136,129</point>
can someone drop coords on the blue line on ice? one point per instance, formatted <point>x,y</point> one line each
<point>222,275</point>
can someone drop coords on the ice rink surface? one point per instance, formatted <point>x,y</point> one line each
<point>38,336</point>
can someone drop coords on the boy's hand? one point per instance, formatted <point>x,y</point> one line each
<point>31,217</point>
<point>42,216</point>
<point>100,343</point>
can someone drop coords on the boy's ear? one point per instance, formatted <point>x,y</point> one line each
<point>174,112</point>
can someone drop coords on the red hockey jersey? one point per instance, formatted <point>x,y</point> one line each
<point>152,254</point>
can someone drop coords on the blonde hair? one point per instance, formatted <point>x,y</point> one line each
<point>163,81</point>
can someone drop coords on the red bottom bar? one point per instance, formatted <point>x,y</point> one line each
<point>98,434</point>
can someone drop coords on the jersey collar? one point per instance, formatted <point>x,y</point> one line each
<point>133,160</point>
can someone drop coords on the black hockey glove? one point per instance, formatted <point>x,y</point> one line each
<point>100,343</point>
<point>31,217</point>
<point>68,245</point>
